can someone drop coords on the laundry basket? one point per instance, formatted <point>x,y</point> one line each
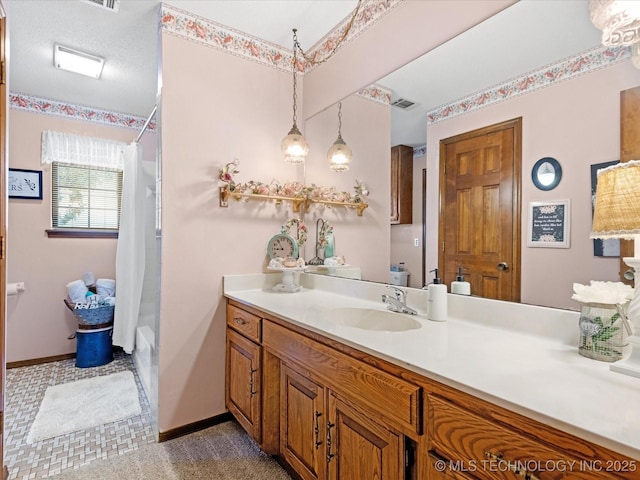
<point>91,314</point>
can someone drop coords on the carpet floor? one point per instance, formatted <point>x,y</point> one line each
<point>221,452</point>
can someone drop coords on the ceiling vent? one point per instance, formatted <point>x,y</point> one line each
<point>111,5</point>
<point>403,103</point>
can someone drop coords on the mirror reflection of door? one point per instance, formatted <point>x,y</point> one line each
<point>479,226</point>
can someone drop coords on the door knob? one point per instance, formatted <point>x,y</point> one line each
<point>503,266</point>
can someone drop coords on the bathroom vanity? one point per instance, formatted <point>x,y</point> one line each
<point>498,391</point>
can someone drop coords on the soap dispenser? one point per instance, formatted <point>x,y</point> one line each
<point>460,286</point>
<point>437,306</point>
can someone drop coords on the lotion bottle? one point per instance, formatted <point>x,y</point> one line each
<point>460,286</point>
<point>437,304</point>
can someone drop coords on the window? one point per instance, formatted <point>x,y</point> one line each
<point>85,197</point>
<point>86,179</point>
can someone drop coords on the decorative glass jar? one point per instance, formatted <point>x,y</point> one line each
<point>602,332</point>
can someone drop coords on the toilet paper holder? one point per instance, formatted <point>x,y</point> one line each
<point>15,288</point>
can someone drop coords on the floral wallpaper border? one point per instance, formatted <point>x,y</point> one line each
<point>589,61</point>
<point>204,31</point>
<point>29,103</point>
<point>376,93</point>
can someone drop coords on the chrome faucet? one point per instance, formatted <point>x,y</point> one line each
<point>398,301</point>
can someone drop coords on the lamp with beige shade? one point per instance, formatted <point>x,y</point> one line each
<point>617,215</point>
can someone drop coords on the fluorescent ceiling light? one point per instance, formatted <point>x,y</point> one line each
<point>75,61</point>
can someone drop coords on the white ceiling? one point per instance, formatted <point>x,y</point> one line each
<point>528,35</point>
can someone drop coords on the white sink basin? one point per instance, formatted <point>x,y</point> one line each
<point>370,319</point>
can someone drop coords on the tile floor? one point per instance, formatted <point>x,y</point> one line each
<point>24,391</point>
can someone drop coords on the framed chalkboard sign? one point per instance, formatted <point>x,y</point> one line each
<point>549,224</point>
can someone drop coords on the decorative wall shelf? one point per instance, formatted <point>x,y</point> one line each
<point>225,193</point>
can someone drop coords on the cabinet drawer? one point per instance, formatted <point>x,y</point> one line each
<point>396,400</point>
<point>491,451</point>
<point>246,323</point>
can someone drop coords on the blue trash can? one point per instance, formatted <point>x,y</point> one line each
<point>94,347</point>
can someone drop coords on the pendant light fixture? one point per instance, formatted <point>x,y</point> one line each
<point>294,146</point>
<point>339,155</point>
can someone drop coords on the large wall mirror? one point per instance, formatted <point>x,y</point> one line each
<point>575,120</point>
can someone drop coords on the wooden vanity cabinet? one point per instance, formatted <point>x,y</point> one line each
<point>303,416</point>
<point>470,439</point>
<point>331,412</point>
<point>323,436</point>
<point>243,392</point>
<point>401,185</point>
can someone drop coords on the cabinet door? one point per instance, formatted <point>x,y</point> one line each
<point>401,185</point>
<point>243,382</point>
<point>358,447</point>
<point>302,424</point>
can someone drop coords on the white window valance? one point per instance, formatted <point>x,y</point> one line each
<point>78,149</point>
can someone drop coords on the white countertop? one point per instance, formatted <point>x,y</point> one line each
<point>521,357</point>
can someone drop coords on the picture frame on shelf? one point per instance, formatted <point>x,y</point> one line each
<point>25,184</point>
<point>549,224</point>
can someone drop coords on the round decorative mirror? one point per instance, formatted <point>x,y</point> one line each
<point>546,173</point>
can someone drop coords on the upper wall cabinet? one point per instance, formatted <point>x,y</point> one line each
<point>401,184</point>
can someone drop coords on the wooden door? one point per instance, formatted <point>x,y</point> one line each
<point>629,150</point>
<point>359,447</point>
<point>243,382</point>
<point>3,219</point>
<point>302,424</point>
<point>479,225</point>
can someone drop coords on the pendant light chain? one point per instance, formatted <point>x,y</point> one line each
<point>295,80</point>
<point>347,29</point>
<point>340,120</point>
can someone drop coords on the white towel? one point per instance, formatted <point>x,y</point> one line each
<point>88,278</point>
<point>77,291</point>
<point>106,287</point>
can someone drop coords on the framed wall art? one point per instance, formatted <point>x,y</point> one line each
<point>549,224</point>
<point>25,184</point>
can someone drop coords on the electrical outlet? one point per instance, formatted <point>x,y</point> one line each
<point>416,242</point>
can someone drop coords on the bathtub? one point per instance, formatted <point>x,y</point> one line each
<point>145,343</point>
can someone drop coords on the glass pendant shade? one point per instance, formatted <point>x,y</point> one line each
<point>294,147</point>
<point>339,155</point>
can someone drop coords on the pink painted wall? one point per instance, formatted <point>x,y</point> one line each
<point>403,248</point>
<point>215,107</point>
<point>366,126</point>
<point>409,30</point>
<point>38,322</point>
<point>578,123</point>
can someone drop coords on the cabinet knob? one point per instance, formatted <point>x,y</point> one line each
<point>239,321</point>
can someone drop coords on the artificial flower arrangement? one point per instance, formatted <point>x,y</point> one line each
<point>301,229</point>
<point>326,230</point>
<point>611,293</point>
<point>289,189</point>
<point>602,318</point>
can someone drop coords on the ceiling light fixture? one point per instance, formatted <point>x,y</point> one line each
<point>76,61</point>
<point>619,21</point>
<point>294,146</point>
<point>339,155</point>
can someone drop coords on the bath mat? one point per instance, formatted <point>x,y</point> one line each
<point>83,404</point>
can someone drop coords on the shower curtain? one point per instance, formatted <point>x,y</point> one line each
<point>130,254</point>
